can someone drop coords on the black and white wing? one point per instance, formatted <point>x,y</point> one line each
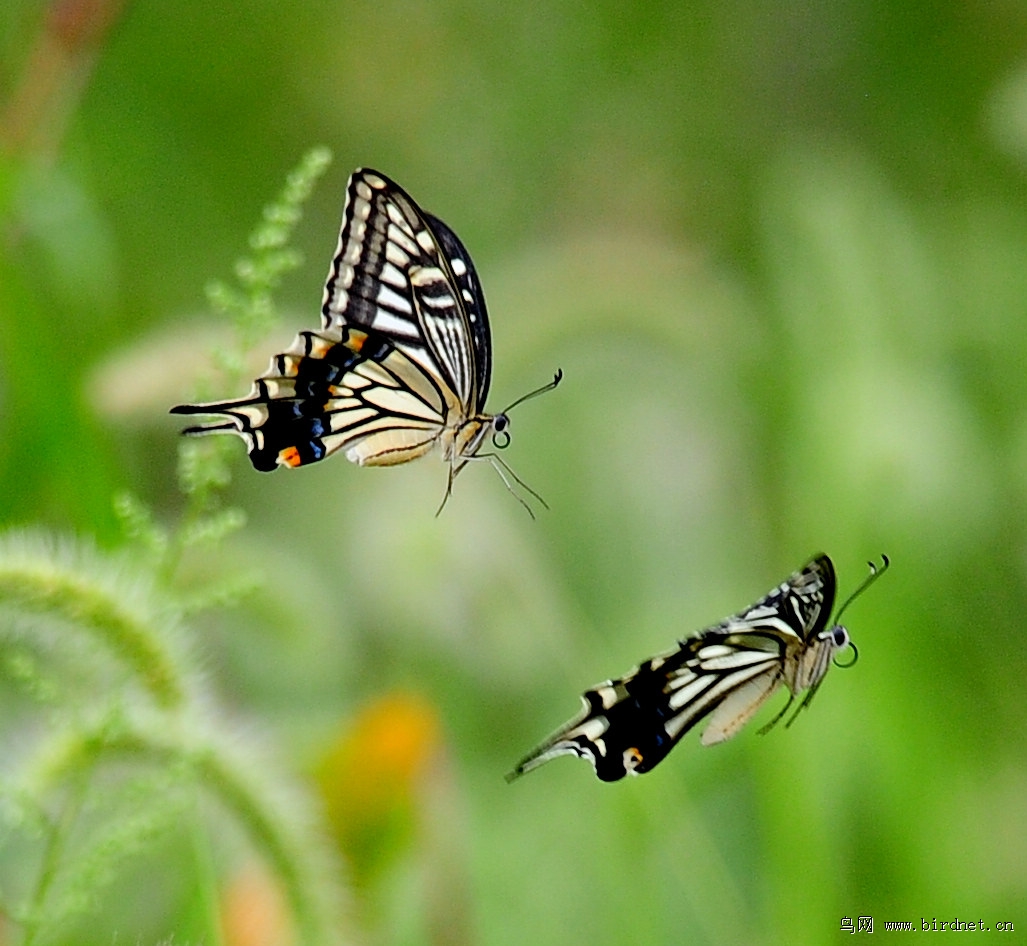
<point>403,273</point>
<point>403,352</point>
<point>724,673</point>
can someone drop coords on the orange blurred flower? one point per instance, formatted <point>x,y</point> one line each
<point>372,776</point>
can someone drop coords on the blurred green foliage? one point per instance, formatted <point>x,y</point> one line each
<point>779,251</point>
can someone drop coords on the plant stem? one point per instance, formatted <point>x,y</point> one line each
<point>54,852</point>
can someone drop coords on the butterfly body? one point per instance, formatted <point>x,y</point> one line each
<point>722,675</point>
<point>402,362</point>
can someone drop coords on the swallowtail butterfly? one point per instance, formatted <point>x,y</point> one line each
<point>401,364</point>
<point>723,674</point>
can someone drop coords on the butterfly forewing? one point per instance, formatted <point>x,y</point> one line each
<point>405,274</point>
<point>476,323</point>
<point>724,673</point>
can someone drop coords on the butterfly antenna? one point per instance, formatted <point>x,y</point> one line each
<point>875,573</point>
<point>557,378</point>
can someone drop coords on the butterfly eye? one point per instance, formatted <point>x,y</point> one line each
<point>839,636</point>
<point>500,434</point>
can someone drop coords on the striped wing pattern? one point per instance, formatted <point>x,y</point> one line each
<point>723,674</point>
<point>402,360</point>
<point>405,274</point>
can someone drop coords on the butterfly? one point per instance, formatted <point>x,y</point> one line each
<point>401,364</point>
<point>724,673</point>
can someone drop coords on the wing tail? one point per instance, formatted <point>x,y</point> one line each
<point>579,737</point>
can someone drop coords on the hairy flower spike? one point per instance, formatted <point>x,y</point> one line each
<point>127,758</point>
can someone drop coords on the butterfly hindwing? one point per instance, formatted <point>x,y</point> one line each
<point>724,673</point>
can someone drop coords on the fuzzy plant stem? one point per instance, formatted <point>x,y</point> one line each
<point>53,854</point>
<point>270,812</point>
<point>204,466</point>
<point>46,588</point>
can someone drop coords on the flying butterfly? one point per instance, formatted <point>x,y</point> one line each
<point>401,364</point>
<point>724,673</point>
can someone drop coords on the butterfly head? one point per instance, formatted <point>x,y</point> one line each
<point>500,431</point>
<point>838,639</point>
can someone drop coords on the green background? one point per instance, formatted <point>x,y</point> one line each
<point>779,251</point>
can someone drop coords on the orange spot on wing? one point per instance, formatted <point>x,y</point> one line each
<point>356,340</point>
<point>290,456</point>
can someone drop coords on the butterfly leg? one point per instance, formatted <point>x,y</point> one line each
<point>765,729</point>
<point>809,696</point>
<point>504,470</point>
<point>505,474</point>
<point>453,471</point>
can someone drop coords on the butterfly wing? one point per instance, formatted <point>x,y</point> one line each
<point>725,672</point>
<point>798,608</point>
<point>354,391</point>
<point>403,350</point>
<point>405,274</point>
